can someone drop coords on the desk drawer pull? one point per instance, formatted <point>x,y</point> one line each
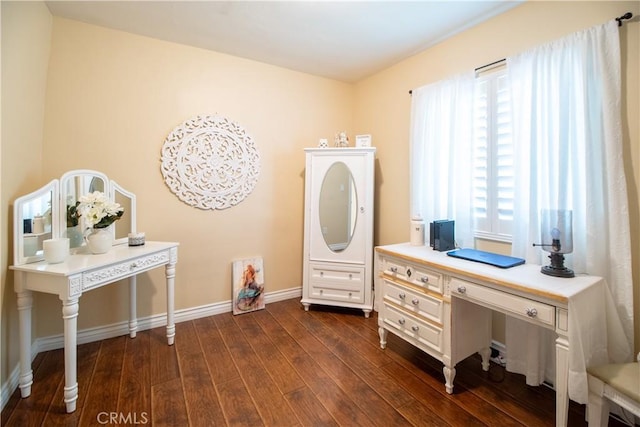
<point>462,289</point>
<point>394,269</point>
<point>415,301</point>
<point>402,295</point>
<point>414,328</point>
<point>532,312</point>
<point>424,279</point>
<point>401,321</point>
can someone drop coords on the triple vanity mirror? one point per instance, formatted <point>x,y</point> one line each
<point>48,213</point>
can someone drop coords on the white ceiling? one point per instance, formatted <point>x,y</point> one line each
<point>342,40</point>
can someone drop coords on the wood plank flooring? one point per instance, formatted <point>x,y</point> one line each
<point>280,366</point>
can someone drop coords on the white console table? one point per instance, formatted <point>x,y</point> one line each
<point>442,305</point>
<point>81,273</point>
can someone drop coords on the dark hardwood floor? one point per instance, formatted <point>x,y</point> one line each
<point>280,366</point>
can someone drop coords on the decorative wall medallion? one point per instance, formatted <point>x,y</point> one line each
<point>210,162</point>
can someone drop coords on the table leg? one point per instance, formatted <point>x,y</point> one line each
<point>133,315</point>
<point>70,317</point>
<point>562,380</point>
<point>170,272</point>
<point>449,375</point>
<point>485,354</point>
<point>25,302</point>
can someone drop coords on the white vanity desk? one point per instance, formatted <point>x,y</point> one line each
<point>54,205</point>
<point>80,273</point>
<point>442,305</point>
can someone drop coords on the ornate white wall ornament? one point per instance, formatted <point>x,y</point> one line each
<point>210,162</point>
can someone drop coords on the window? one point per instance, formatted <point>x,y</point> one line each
<point>493,171</point>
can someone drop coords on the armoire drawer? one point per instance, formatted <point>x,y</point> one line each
<point>336,282</point>
<point>413,273</point>
<point>524,308</point>
<point>414,330</point>
<point>419,303</point>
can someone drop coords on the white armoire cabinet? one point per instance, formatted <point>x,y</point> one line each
<point>338,228</point>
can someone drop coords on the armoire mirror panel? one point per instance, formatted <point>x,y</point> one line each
<point>34,219</point>
<point>45,214</point>
<point>338,207</point>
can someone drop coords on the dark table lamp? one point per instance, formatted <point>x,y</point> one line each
<point>557,229</point>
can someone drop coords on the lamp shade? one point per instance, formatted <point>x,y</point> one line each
<point>556,232</point>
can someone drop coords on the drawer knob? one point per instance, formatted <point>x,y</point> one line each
<point>401,321</point>
<point>415,301</point>
<point>350,276</point>
<point>394,269</point>
<point>462,289</point>
<point>414,328</point>
<point>424,279</point>
<point>134,265</point>
<point>321,273</point>
<point>401,295</point>
<point>532,312</point>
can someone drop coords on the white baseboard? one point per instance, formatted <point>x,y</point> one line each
<point>54,342</point>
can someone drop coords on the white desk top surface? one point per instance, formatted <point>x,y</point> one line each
<point>525,278</point>
<point>80,262</point>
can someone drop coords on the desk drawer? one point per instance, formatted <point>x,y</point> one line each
<point>524,308</point>
<point>413,329</point>
<point>417,303</point>
<point>413,273</point>
<point>101,276</point>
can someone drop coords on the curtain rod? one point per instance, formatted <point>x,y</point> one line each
<point>624,17</point>
<point>480,68</point>
<point>491,64</point>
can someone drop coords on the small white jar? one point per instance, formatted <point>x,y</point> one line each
<point>417,231</point>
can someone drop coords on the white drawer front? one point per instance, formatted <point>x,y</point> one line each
<point>413,273</point>
<point>337,283</point>
<point>418,303</point>
<point>424,277</point>
<point>337,294</point>
<point>99,277</point>
<point>412,329</point>
<point>524,308</point>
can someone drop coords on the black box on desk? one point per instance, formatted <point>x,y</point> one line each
<point>441,235</point>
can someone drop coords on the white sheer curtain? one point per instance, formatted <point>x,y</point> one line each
<point>441,153</point>
<point>568,146</point>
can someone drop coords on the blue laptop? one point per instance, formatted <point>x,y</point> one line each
<point>502,261</point>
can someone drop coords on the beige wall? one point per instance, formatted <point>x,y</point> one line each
<point>111,100</point>
<point>26,40</point>
<point>383,101</point>
<point>114,97</point>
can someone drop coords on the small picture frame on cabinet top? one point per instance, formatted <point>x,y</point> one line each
<point>363,140</point>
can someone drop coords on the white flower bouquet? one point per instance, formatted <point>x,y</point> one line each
<point>97,210</point>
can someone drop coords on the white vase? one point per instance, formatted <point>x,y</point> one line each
<point>99,240</point>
